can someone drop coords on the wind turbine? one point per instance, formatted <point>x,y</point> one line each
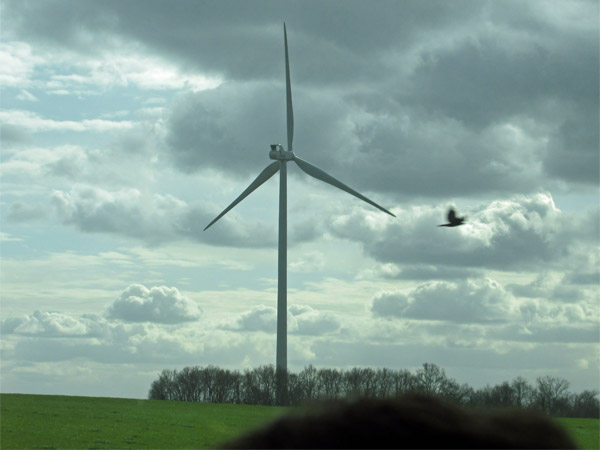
<point>281,157</point>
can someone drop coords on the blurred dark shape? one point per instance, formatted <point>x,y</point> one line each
<point>412,421</point>
<point>453,221</point>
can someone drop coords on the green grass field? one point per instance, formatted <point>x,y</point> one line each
<point>585,432</point>
<point>40,421</point>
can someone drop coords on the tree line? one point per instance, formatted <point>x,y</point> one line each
<point>257,386</point>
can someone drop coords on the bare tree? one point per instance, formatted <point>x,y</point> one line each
<point>265,376</point>
<point>330,383</point>
<point>430,379</point>
<point>295,390</point>
<point>503,395</point>
<point>250,388</point>
<point>208,377</point>
<point>385,383</point>
<point>586,404</point>
<point>522,392</point>
<point>257,386</point>
<point>403,382</point>
<point>452,391</point>
<point>224,386</point>
<point>552,394</point>
<point>237,392</point>
<point>188,384</point>
<point>369,382</point>
<point>352,382</point>
<point>309,380</point>
<point>163,388</point>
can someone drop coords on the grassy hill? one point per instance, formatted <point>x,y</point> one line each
<point>585,432</point>
<point>43,421</point>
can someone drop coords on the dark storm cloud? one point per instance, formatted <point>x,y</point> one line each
<point>573,152</point>
<point>495,75</point>
<point>232,126</point>
<point>236,37</point>
<point>426,98</point>
<point>584,278</point>
<point>229,127</point>
<point>479,115</point>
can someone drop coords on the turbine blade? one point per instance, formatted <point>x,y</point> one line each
<point>288,95</point>
<point>267,173</point>
<point>320,175</point>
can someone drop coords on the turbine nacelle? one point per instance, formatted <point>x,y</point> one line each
<point>279,153</point>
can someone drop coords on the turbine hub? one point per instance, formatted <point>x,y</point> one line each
<point>279,153</point>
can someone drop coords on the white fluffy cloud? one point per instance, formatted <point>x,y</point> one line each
<point>123,69</point>
<point>34,122</point>
<point>153,218</point>
<point>471,301</point>
<point>35,162</point>
<point>16,64</point>
<point>302,320</point>
<point>518,233</point>
<point>125,211</point>
<point>55,336</point>
<point>158,304</point>
<point>259,318</point>
<point>124,65</point>
<point>482,312</point>
<point>306,320</point>
<point>54,325</point>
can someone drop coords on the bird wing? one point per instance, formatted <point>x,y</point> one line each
<point>451,215</point>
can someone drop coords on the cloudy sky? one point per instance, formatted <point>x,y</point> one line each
<point>128,126</point>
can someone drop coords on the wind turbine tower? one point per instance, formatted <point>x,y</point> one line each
<point>281,157</point>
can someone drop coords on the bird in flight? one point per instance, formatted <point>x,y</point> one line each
<point>453,221</point>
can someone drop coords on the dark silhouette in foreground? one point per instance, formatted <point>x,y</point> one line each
<point>453,221</point>
<point>407,422</point>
